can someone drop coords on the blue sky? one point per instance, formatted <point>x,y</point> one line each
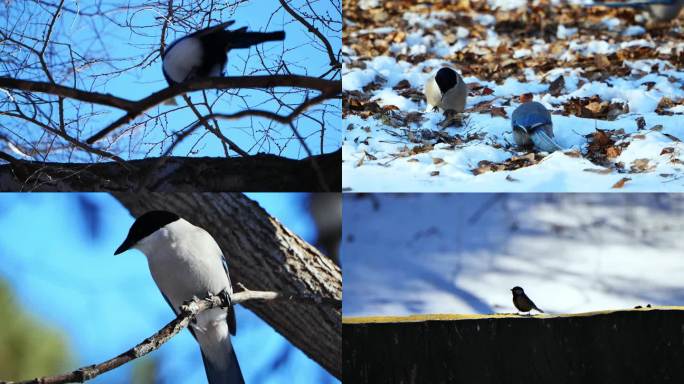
<point>128,45</point>
<point>64,272</point>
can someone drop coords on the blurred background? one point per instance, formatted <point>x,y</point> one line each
<point>462,253</point>
<point>66,301</point>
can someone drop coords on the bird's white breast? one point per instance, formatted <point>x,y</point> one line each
<point>433,95</point>
<point>184,261</point>
<point>182,59</point>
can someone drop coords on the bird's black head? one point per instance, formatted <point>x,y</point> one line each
<point>517,290</point>
<point>446,79</point>
<point>144,226</point>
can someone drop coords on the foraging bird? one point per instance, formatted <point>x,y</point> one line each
<point>658,10</point>
<point>205,53</point>
<point>446,90</point>
<point>522,302</point>
<point>532,126</point>
<point>185,262</point>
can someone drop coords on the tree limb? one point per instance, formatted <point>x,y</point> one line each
<point>187,313</point>
<point>260,172</point>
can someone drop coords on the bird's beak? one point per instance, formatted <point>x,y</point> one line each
<point>125,246</point>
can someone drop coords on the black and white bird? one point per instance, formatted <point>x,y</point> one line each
<point>205,53</point>
<point>185,261</point>
<point>533,127</point>
<point>445,89</point>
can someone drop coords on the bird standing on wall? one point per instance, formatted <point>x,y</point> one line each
<point>532,127</point>
<point>205,53</point>
<point>522,302</point>
<point>446,90</point>
<point>185,261</point>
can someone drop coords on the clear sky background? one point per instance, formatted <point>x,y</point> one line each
<point>130,34</point>
<point>64,272</point>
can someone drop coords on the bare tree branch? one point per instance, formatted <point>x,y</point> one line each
<point>260,172</point>
<point>187,313</point>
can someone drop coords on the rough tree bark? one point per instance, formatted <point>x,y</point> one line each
<point>177,174</point>
<point>264,255</point>
<point>630,346</point>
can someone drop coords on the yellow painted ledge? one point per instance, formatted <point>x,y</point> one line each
<point>438,316</point>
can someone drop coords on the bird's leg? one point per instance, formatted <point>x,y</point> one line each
<point>451,118</point>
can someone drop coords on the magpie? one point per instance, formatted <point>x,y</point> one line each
<point>205,53</point>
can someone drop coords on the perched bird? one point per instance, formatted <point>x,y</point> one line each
<point>658,10</point>
<point>205,53</point>
<point>522,302</point>
<point>185,262</point>
<point>446,90</point>
<point>532,126</point>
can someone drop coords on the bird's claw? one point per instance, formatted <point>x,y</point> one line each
<point>225,296</point>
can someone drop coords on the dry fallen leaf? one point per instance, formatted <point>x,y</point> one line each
<point>556,87</point>
<point>641,166</point>
<point>621,183</point>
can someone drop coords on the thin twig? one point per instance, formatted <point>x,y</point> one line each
<point>187,313</point>
<point>333,60</point>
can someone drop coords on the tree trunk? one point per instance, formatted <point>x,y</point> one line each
<point>630,346</point>
<point>178,174</point>
<point>264,255</point>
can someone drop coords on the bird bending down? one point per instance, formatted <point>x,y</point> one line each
<point>532,127</point>
<point>445,89</point>
<point>205,53</point>
<point>658,10</point>
<point>522,302</point>
<point>185,261</point>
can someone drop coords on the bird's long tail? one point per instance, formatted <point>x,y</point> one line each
<point>242,39</point>
<point>220,362</point>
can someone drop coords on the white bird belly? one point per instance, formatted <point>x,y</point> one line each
<point>182,59</point>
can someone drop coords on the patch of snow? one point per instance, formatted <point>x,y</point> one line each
<point>634,30</point>
<point>369,4</point>
<point>462,253</point>
<point>612,23</point>
<point>507,5</point>
<point>564,33</point>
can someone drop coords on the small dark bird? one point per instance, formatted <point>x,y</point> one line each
<point>522,302</point>
<point>205,53</point>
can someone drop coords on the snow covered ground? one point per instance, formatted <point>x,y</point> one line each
<point>599,71</point>
<point>462,253</point>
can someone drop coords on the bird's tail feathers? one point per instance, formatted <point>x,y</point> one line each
<point>242,39</point>
<point>543,141</point>
<point>228,371</point>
